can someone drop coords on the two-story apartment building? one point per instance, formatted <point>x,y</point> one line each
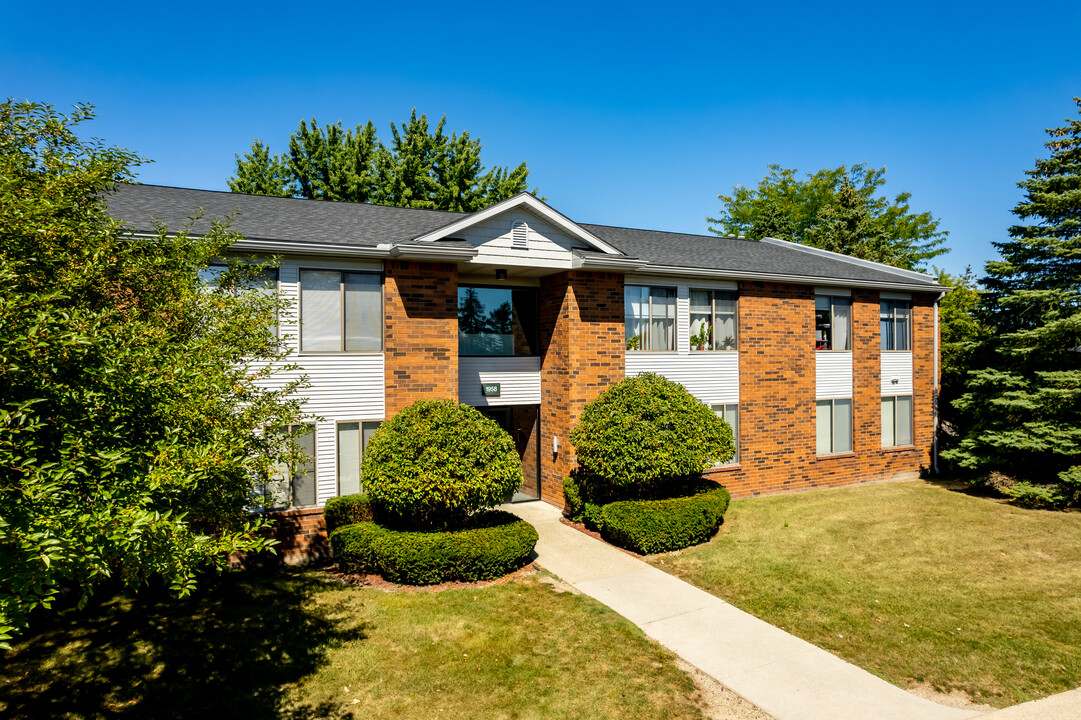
<point>825,366</point>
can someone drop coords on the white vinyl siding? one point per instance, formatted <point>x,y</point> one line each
<point>713,378</point>
<point>343,386</point>
<point>833,426</point>
<point>497,243</point>
<point>896,373</point>
<point>833,375</point>
<point>518,377</point>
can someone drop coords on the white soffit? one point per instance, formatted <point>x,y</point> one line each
<point>530,202</point>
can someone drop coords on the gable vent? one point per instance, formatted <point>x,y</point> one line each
<point>519,235</point>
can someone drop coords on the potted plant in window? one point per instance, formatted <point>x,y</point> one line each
<point>701,340</point>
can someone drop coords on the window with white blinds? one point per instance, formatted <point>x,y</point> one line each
<point>340,311</point>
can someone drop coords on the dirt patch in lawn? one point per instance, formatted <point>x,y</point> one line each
<point>954,698</point>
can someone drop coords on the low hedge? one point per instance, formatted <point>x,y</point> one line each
<point>490,545</point>
<point>653,526</point>
<point>347,510</point>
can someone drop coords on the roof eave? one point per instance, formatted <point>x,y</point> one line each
<point>676,271</point>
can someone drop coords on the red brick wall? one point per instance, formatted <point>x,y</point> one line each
<point>582,351</point>
<point>301,536</point>
<point>421,332</point>
<point>777,395</point>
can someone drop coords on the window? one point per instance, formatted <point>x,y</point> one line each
<point>649,317</point>
<point>353,438</point>
<point>713,320</point>
<point>264,282</point>
<point>897,421</point>
<point>340,311</point>
<point>497,321</point>
<point>834,426</point>
<point>730,414</point>
<point>294,486</point>
<point>833,323</point>
<point>895,319</point>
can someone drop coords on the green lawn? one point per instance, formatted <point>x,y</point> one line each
<point>912,581</point>
<point>294,644</point>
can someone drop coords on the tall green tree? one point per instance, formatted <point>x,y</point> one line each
<point>960,334</point>
<point>422,167</point>
<point>841,210</point>
<point>1023,395</point>
<point>133,396</point>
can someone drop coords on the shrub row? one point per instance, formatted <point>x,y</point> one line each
<point>491,544</point>
<point>653,526</point>
<point>346,510</point>
<point>649,525</point>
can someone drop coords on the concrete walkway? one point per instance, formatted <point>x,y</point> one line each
<point>785,676</point>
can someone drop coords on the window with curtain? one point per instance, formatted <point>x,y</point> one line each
<point>897,421</point>
<point>353,438</point>
<point>833,323</point>
<point>730,414</point>
<point>833,426</point>
<point>649,317</point>
<point>294,486</point>
<point>340,311</point>
<point>895,321</point>
<point>713,320</point>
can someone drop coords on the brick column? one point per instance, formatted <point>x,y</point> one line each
<point>582,352</point>
<point>421,332</point>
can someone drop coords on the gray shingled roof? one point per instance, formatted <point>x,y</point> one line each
<point>272,218</point>
<point>363,225</point>
<point>721,253</point>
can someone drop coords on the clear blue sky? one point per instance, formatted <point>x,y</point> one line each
<point>627,114</point>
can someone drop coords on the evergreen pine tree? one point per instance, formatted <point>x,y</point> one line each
<point>422,168</point>
<point>1023,397</point>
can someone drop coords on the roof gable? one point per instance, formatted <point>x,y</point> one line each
<point>526,202</point>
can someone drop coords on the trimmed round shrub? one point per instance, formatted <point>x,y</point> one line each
<point>435,463</point>
<point>490,545</point>
<point>647,430</point>
<point>653,526</point>
<point>346,510</point>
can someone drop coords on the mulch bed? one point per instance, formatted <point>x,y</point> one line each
<point>580,527</point>
<point>376,582</point>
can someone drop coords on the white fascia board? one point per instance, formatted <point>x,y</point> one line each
<point>620,264</point>
<point>288,247</point>
<point>851,260</point>
<point>424,252</point>
<point>521,199</point>
<point>782,278</point>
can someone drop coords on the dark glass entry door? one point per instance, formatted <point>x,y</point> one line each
<point>522,423</point>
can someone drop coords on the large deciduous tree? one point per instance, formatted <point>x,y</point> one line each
<point>133,395</point>
<point>1023,396</point>
<point>840,210</point>
<point>421,168</point>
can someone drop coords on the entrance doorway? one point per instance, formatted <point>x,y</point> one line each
<point>522,423</point>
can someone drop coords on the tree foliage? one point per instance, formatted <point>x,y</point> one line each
<point>960,331</point>
<point>840,210</point>
<point>1023,396</point>
<point>422,167</point>
<point>132,397</point>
